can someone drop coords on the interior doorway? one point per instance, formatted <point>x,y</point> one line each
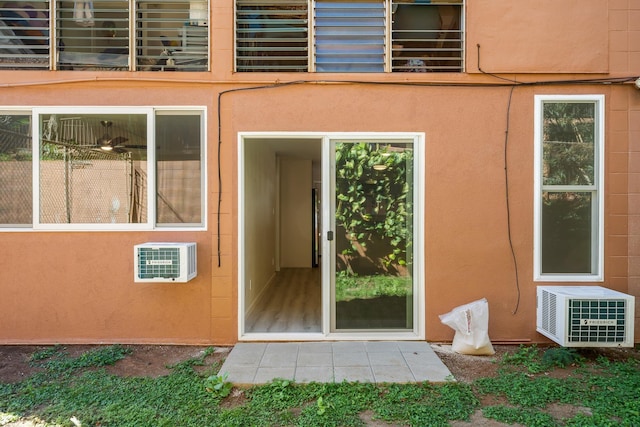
<point>282,289</point>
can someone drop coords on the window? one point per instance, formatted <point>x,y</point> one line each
<point>169,35</point>
<point>569,168</point>
<point>427,36</point>
<point>349,35</point>
<point>102,168</point>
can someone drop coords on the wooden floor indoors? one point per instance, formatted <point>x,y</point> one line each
<point>292,303</point>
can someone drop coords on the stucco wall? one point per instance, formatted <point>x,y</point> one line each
<point>78,286</point>
<point>521,32</point>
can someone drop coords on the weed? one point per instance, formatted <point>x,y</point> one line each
<point>47,353</point>
<point>196,361</point>
<point>426,404</point>
<point>561,357</point>
<point>218,385</point>
<point>527,417</point>
<point>57,361</point>
<point>526,356</point>
<point>322,406</point>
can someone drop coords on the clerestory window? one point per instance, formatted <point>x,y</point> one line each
<point>349,35</point>
<point>120,35</point>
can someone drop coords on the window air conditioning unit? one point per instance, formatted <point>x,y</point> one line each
<point>165,262</point>
<point>585,316</point>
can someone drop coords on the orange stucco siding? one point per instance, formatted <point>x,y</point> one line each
<point>78,286</point>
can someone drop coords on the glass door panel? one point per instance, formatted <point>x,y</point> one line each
<point>373,286</point>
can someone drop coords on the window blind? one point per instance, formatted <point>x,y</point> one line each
<point>349,36</point>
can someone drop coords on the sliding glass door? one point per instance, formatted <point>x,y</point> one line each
<point>373,279</point>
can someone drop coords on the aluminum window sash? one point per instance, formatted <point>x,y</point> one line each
<point>24,37</point>
<point>272,35</point>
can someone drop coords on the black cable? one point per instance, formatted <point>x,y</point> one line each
<point>506,185</point>
<point>506,179</point>
<point>491,74</point>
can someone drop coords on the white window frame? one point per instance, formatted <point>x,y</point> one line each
<point>418,139</point>
<point>151,223</point>
<point>597,235</point>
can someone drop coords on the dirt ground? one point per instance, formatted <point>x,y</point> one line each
<point>153,361</point>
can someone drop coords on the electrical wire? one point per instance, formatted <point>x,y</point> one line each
<point>506,187</point>
<point>506,180</point>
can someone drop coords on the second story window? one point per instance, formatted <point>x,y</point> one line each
<point>144,35</point>
<point>349,35</point>
<point>24,35</point>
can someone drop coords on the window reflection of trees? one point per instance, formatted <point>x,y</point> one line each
<point>568,160</point>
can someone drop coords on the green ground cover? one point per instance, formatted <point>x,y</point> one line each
<point>69,390</point>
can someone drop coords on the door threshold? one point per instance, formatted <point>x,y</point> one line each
<point>346,336</point>
<point>283,336</point>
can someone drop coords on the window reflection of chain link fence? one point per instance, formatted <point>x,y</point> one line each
<point>81,183</point>
<point>15,170</point>
<point>84,186</point>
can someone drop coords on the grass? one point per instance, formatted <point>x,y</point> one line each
<point>522,392</point>
<point>349,287</point>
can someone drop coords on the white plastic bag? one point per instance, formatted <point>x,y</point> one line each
<point>471,323</point>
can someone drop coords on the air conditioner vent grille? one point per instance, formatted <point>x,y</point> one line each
<point>549,312</point>
<point>159,262</point>
<point>585,316</point>
<point>165,262</point>
<point>597,320</point>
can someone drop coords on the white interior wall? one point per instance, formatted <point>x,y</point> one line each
<point>296,182</point>
<point>259,219</point>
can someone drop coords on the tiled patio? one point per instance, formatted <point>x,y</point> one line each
<point>304,362</point>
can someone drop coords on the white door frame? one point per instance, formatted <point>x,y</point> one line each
<point>328,269</point>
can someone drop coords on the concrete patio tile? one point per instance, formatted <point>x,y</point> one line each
<point>361,374</point>
<point>431,373</point>
<point>282,348</point>
<point>426,356</point>
<point>350,359</point>
<point>272,360</point>
<point>315,359</point>
<point>422,358</point>
<point>315,347</point>
<point>389,359</point>
<point>267,375</point>
<point>249,347</point>
<point>349,347</point>
<point>239,375</point>
<point>382,347</point>
<point>418,346</point>
<point>247,354</point>
<point>354,361</point>
<point>392,374</point>
<point>307,374</point>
